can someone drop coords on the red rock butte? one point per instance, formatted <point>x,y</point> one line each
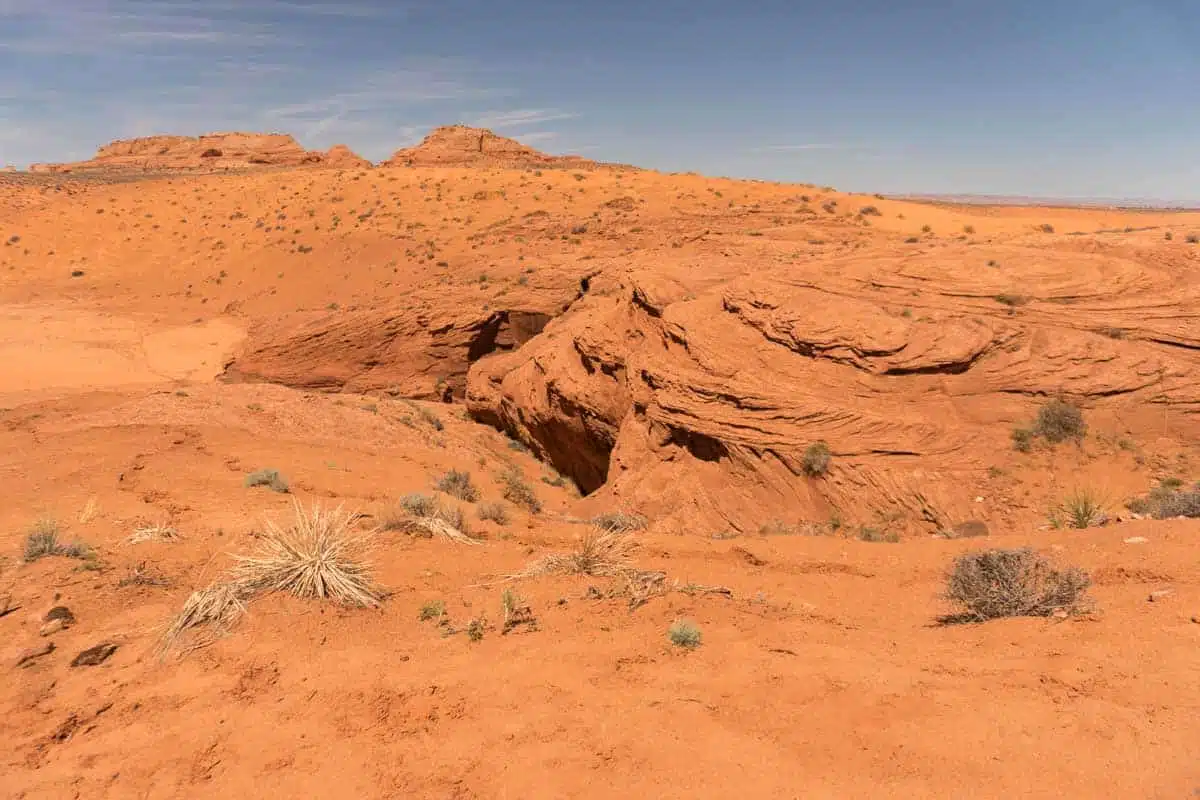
<point>464,146</point>
<point>207,153</point>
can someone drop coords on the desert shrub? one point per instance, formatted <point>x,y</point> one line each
<point>1168,236</point>
<point>317,556</point>
<point>620,521</point>
<point>1193,238</point>
<point>42,540</point>
<point>1046,228</point>
<point>815,462</point>
<point>496,512</point>
<point>684,633</point>
<point>1057,421</point>
<point>990,584</point>
<point>457,483</point>
<point>475,629</point>
<point>269,478</point>
<point>869,534</point>
<point>1022,439</point>
<point>968,229</point>
<point>1080,509</point>
<point>434,609</point>
<point>517,490</point>
<point>1168,500</point>
<point>869,211</point>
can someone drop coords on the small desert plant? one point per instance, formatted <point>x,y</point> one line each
<point>427,516</point>
<point>42,540</point>
<point>1046,228</point>
<point>158,531</point>
<point>869,534</point>
<point>496,512</point>
<point>457,483</point>
<point>1168,500</point>
<point>269,478</point>
<point>517,490</point>
<point>968,229</point>
<point>684,633</point>
<point>475,629</point>
<point>1057,421</point>
<point>620,522</point>
<point>142,575</point>
<point>1193,238</point>
<point>1022,439</point>
<point>434,609</point>
<point>1080,509</point>
<point>318,556</point>
<point>515,611</point>
<point>601,552</point>
<point>816,459</point>
<point>990,584</point>
<point>217,606</point>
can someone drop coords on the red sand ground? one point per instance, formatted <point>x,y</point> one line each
<point>163,335</point>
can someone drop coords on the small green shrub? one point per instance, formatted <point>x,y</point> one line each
<point>1081,509</point>
<point>684,633</point>
<point>269,478</point>
<point>434,609</point>
<point>817,457</point>
<point>457,483</point>
<point>868,534</point>
<point>475,629</point>
<point>42,540</point>
<point>1046,228</point>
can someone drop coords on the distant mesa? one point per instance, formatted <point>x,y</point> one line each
<point>208,153</point>
<point>464,146</point>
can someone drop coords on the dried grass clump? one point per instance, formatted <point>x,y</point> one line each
<point>601,552</point>
<point>216,607</point>
<point>42,540</point>
<point>157,532</point>
<point>318,556</point>
<point>684,633</point>
<point>991,584</point>
<point>457,483</point>
<point>620,521</point>
<point>422,515</point>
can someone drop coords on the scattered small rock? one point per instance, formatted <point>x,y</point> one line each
<point>33,653</point>
<point>1196,619</point>
<point>51,627</point>
<point>1136,540</point>
<point>6,605</point>
<point>60,613</point>
<point>94,656</point>
<point>1160,595</point>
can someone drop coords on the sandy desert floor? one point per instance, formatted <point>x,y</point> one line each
<point>162,338</point>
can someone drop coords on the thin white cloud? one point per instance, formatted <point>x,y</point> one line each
<point>518,117</point>
<point>536,136</point>
<point>787,148</point>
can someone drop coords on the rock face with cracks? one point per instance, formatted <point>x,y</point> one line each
<point>696,399</point>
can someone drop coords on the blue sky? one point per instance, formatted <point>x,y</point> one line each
<point>1077,98</point>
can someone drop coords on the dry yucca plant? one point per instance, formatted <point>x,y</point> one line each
<point>428,516</point>
<point>601,552</point>
<point>216,607</point>
<point>317,556</point>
